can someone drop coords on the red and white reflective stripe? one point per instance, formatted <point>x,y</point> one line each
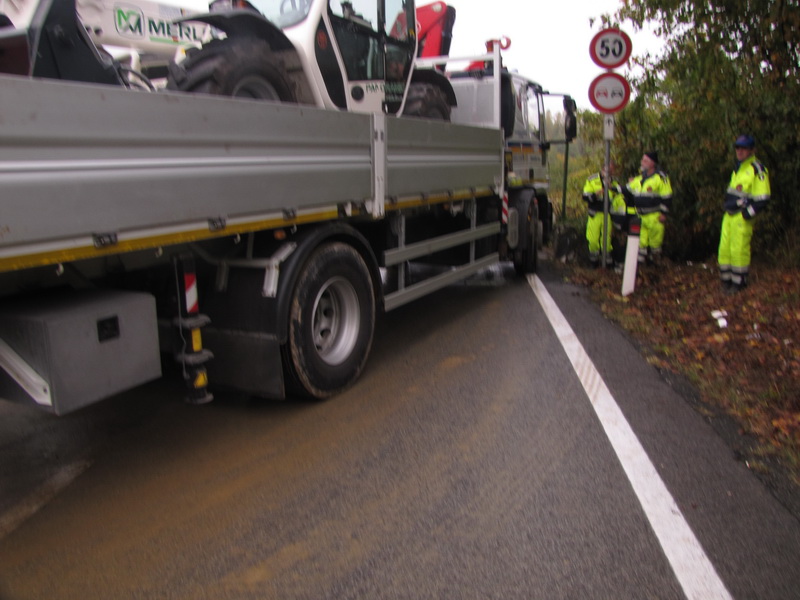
<point>190,293</point>
<point>505,209</point>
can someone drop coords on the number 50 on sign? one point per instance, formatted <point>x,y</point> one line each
<point>611,48</point>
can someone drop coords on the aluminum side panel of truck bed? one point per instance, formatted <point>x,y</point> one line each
<point>434,157</point>
<point>87,170</point>
<point>79,159</point>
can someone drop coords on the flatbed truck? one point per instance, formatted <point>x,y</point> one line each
<point>256,243</point>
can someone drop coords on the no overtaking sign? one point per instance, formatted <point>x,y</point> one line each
<point>609,93</point>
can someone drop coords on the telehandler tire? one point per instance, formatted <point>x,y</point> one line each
<point>241,67</point>
<point>331,322</point>
<point>426,101</point>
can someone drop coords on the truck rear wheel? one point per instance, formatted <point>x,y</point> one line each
<point>427,101</point>
<point>243,68</point>
<point>527,260</point>
<point>331,322</point>
<point>545,220</point>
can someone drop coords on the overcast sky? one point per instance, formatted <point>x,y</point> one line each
<point>549,39</point>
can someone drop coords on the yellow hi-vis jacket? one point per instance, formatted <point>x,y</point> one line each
<point>749,191</point>
<point>593,196</point>
<point>649,194</point>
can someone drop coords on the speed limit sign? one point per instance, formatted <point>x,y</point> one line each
<point>611,48</point>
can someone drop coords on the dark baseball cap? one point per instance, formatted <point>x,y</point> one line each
<point>744,141</point>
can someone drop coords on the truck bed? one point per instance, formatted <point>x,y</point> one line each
<point>89,170</point>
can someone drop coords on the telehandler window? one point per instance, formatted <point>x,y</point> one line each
<point>373,40</point>
<point>396,18</point>
<point>284,13</point>
<point>363,12</point>
<point>399,52</point>
<point>358,40</point>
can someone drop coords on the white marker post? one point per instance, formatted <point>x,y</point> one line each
<point>631,256</point>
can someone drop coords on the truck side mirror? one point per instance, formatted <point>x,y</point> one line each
<point>570,119</point>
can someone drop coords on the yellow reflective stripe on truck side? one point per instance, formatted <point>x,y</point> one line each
<point>416,201</point>
<point>84,248</point>
<point>39,255</point>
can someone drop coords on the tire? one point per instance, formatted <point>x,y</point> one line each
<point>540,235</point>
<point>238,67</point>
<point>331,322</point>
<point>532,257</point>
<point>426,101</point>
<point>528,259</point>
<point>545,220</point>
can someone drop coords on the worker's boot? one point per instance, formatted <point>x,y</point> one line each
<point>738,286</point>
<point>654,258</point>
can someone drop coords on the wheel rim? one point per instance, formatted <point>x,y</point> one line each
<point>336,321</point>
<point>256,88</point>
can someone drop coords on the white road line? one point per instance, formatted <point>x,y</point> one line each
<point>691,566</point>
<point>31,504</point>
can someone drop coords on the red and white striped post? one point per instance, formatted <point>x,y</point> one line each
<point>191,355</point>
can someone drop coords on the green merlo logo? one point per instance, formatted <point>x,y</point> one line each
<point>129,22</point>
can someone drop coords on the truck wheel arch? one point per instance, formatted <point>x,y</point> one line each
<point>331,322</point>
<point>327,306</point>
<point>307,242</point>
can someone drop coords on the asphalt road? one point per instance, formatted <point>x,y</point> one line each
<point>468,462</point>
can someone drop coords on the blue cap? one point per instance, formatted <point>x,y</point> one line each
<point>744,141</point>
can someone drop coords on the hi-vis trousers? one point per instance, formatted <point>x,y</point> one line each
<point>734,249</point>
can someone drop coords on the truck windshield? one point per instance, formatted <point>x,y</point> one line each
<point>284,13</point>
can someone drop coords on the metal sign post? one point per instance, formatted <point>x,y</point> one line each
<point>608,135</point>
